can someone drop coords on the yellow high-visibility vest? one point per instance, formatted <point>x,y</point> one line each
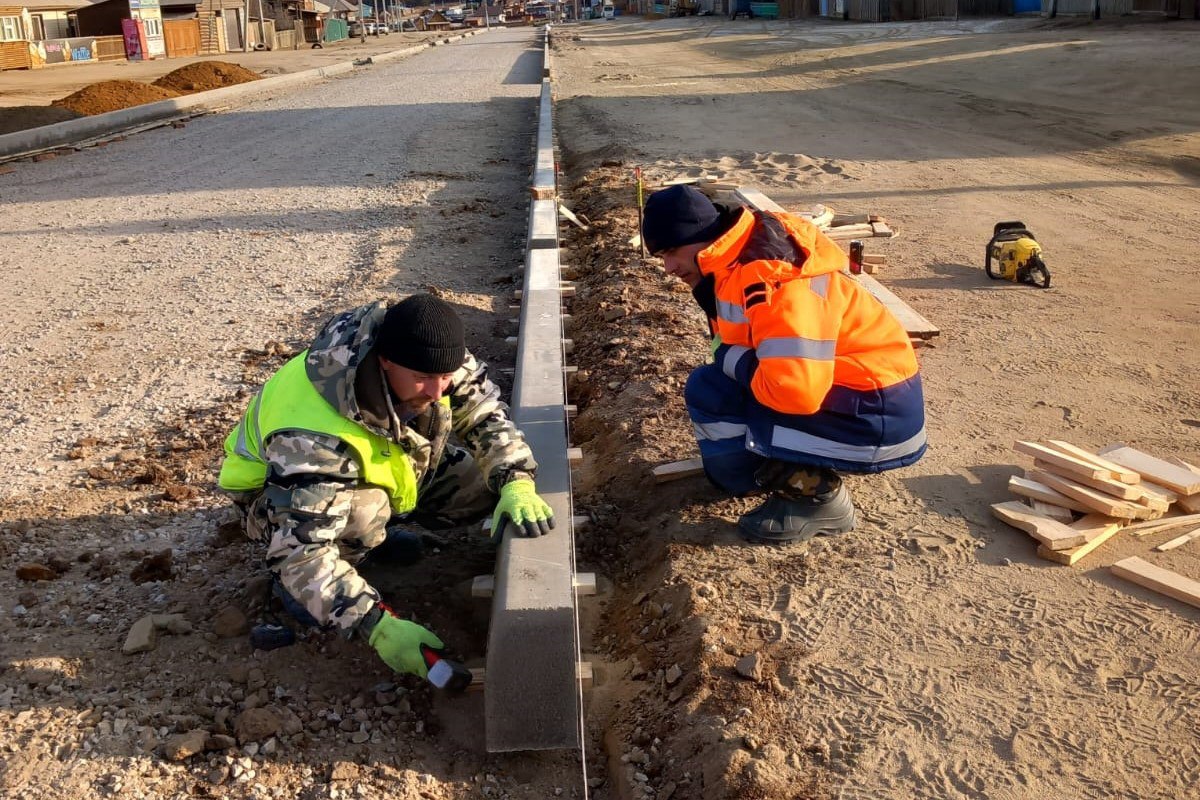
<point>289,401</point>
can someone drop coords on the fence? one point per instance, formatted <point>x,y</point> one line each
<point>110,48</point>
<point>336,30</point>
<point>182,37</point>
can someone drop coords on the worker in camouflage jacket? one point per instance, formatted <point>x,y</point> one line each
<point>351,438</point>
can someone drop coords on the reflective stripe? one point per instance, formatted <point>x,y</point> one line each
<point>802,442</point>
<point>798,347</point>
<point>731,312</point>
<point>717,431</point>
<point>820,285</point>
<point>732,356</point>
<point>239,446</point>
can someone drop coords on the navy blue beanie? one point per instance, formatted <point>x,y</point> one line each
<point>679,215</point>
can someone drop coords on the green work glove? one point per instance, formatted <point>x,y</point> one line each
<point>520,505</point>
<point>716,343</point>
<point>398,642</point>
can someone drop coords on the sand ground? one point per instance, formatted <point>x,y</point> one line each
<point>930,653</point>
<point>151,286</point>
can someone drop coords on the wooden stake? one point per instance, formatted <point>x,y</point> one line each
<point>677,470</point>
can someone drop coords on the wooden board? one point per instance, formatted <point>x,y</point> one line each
<point>1179,541</point>
<point>1120,473</point>
<point>914,324</point>
<point>1098,528</point>
<point>1189,504</point>
<point>1063,515</point>
<point>1064,464</point>
<point>677,470</point>
<point>1155,526</point>
<point>1095,501</point>
<point>1043,493</point>
<point>1161,472</point>
<point>1054,535</point>
<point>1163,581</point>
<point>1122,491</point>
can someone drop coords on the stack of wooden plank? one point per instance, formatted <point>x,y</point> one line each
<point>857,226</point>
<point>1074,500</point>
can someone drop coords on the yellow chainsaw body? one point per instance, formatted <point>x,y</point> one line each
<point>1012,256</point>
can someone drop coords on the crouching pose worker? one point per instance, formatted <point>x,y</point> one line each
<point>352,436</point>
<point>811,375</point>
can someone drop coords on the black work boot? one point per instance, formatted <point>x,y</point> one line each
<point>401,548</point>
<point>804,502</point>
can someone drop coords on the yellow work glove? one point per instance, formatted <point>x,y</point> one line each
<point>520,505</point>
<point>398,642</point>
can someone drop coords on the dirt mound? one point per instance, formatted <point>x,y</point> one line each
<point>98,98</point>
<point>19,118</point>
<point>205,75</point>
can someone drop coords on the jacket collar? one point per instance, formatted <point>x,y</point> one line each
<point>723,253</point>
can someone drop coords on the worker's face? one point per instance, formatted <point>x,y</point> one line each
<point>416,391</point>
<point>681,262</point>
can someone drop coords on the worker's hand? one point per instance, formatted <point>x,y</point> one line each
<point>715,345</point>
<point>398,642</point>
<point>521,507</point>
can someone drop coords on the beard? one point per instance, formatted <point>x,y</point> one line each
<point>414,407</point>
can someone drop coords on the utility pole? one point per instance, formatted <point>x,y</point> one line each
<point>362,22</point>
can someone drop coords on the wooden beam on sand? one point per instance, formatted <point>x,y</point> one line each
<point>1178,541</point>
<point>1161,472</point>
<point>1163,581</point>
<point>1063,464</point>
<point>1095,501</point>
<point>1052,534</point>
<point>1097,527</point>
<point>1043,493</point>
<point>1120,473</point>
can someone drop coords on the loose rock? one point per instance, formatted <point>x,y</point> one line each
<point>750,667</point>
<point>256,724</point>
<point>230,622</point>
<point>185,745</point>
<point>36,572</point>
<point>142,637</point>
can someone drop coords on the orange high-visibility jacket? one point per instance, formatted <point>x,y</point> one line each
<point>794,330</point>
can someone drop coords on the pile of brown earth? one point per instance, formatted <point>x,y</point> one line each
<point>205,75</point>
<point>98,98</point>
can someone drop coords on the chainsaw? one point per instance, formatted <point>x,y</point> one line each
<point>1013,254</point>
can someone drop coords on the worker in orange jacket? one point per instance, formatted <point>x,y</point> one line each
<point>811,375</point>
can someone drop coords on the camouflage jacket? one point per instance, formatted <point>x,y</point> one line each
<point>319,516</point>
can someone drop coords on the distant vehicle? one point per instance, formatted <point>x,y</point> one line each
<point>608,11</point>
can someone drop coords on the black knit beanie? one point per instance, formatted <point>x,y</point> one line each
<point>677,216</point>
<point>424,334</point>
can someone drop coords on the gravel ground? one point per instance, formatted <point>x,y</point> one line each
<point>149,285</point>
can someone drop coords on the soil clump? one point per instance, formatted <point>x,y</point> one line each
<point>100,98</point>
<point>205,75</point>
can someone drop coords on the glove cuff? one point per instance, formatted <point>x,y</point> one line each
<point>366,625</point>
